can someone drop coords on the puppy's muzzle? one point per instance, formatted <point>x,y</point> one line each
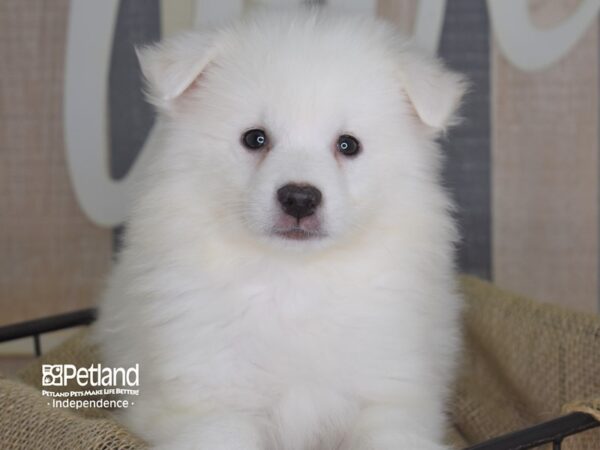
<point>299,200</point>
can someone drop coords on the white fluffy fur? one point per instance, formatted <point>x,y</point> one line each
<point>250,341</point>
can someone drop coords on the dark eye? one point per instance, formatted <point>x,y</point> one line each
<point>254,139</point>
<point>348,145</point>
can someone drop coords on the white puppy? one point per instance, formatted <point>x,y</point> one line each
<point>288,281</point>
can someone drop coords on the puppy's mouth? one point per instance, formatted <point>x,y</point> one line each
<point>298,234</point>
<point>293,229</point>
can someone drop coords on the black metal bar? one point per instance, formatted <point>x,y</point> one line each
<point>552,431</point>
<point>556,444</point>
<point>37,345</point>
<point>47,324</point>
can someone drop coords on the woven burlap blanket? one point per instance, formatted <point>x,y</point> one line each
<point>524,363</point>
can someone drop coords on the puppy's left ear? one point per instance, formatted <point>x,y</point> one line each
<point>172,66</point>
<point>434,91</point>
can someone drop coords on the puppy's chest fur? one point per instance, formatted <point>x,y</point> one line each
<point>271,330</point>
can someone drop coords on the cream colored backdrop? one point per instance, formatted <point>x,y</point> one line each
<point>52,258</point>
<point>545,171</point>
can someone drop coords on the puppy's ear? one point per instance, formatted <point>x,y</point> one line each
<point>434,91</point>
<point>172,66</point>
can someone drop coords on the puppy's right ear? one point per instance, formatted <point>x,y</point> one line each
<point>172,66</point>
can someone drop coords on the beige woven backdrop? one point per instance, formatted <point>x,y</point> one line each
<point>52,258</point>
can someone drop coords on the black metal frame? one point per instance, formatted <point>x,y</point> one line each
<point>553,431</point>
<point>33,328</point>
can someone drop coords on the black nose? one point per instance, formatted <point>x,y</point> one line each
<point>299,200</point>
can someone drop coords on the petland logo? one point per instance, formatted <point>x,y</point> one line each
<point>105,387</point>
<point>94,375</point>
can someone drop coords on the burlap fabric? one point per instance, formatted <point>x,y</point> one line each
<point>524,363</point>
<point>27,422</point>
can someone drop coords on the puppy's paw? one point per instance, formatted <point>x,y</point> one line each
<point>184,444</point>
<point>187,442</point>
<point>399,443</point>
<point>396,446</point>
<point>214,433</point>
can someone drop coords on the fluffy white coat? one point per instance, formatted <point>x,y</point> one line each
<point>247,340</point>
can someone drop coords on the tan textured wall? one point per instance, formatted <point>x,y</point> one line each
<point>52,259</point>
<point>545,172</point>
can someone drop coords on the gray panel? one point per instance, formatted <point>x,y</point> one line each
<point>131,118</point>
<point>465,47</point>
